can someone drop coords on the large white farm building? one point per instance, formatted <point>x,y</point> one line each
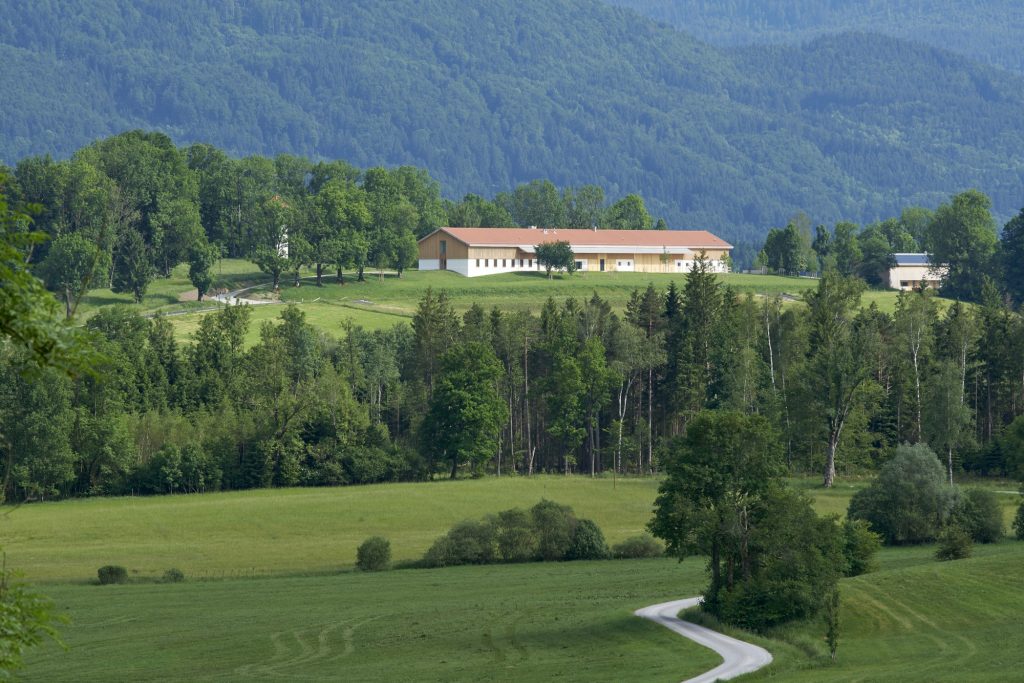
<point>486,251</point>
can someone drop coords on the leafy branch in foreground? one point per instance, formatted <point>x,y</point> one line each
<point>26,618</point>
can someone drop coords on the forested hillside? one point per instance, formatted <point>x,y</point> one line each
<point>985,30</point>
<point>488,96</point>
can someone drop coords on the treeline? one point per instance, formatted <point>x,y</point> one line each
<point>577,388</point>
<point>960,238</point>
<point>131,207</point>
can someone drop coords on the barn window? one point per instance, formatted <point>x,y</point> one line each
<point>478,263</point>
<point>579,265</point>
<point>503,263</point>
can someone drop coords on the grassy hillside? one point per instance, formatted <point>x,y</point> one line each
<point>568,621</point>
<point>928,622</point>
<point>916,620</point>
<point>379,303</point>
<point>506,92</point>
<point>285,531</point>
<point>299,531</point>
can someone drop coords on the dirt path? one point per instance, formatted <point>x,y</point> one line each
<point>740,658</point>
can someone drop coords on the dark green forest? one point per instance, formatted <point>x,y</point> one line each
<point>573,387</point>
<point>485,97</point>
<point>985,30</point>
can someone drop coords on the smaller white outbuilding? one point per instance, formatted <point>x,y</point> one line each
<point>913,269</point>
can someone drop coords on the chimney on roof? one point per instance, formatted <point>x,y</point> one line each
<point>594,228</point>
<point>533,227</point>
<point>545,229</point>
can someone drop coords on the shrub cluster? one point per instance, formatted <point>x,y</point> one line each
<point>374,554</point>
<point>954,544</point>
<point>174,575</point>
<point>112,573</point>
<point>912,502</point>
<point>546,532</point>
<point>638,547</point>
<point>977,512</point>
<point>860,545</point>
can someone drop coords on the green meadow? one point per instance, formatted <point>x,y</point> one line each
<point>288,531</point>
<point>270,593</point>
<point>384,300</point>
<point>272,532</point>
<point>566,621</point>
<point>917,621</point>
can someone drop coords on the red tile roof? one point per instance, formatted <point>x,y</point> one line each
<point>691,239</point>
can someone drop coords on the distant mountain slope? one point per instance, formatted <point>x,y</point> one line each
<point>488,95</point>
<point>985,30</point>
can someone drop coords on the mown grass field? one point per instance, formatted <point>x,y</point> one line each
<point>915,620</point>
<point>288,531</point>
<point>918,621</point>
<point>267,532</point>
<point>270,593</point>
<point>379,302</point>
<point>384,301</point>
<point>540,622</point>
<point>174,294</point>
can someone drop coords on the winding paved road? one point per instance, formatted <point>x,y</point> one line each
<point>740,658</point>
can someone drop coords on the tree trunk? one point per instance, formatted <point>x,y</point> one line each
<point>67,303</point>
<point>455,467</point>
<point>830,458</point>
<point>917,389</point>
<point>319,275</point>
<point>949,462</point>
<point>361,277</point>
<point>650,419</point>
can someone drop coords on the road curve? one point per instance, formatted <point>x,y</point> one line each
<point>740,658</point>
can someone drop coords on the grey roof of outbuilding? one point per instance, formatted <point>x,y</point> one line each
<point>911,259</point>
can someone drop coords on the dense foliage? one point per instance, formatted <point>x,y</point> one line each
<point>547,532</point>
<point>910,501</point>
<point>374,554</point>
<point>575,386</point>
<point>771,559</point>
<point>848,127</point>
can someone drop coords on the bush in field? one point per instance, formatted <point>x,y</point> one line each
<point>374,554</point>
<point>554,525</point>
<point>174,575</point>
<point>860,545</point>
<point>515,536</point>
<point>977,511</point>
<point>112,573</point>
<point>954,544</point>
<point>587,542</point>
<point>909,501</point>
<point>469,542</point>
<point>638,547</point>
<point>442,553</point>
<point>1018,523</point>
